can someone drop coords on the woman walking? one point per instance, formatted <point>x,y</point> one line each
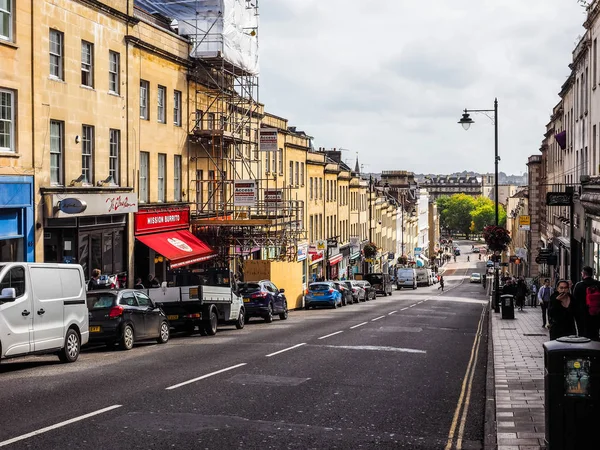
<point>561,317</point>
<point>521,293</point>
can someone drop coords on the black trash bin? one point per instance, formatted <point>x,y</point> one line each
<point>507,302</point>
<point>572,393</point>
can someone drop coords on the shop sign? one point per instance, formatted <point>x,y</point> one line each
<point>244,192</point>
<point>69,205</point>
<point>354,241</point>
<point>418,251</point>
<point>315,256</point>
<point>273,195</point>
<point>332,243</point>
<point>153,221</point>
<point>525,223</point>
<point>595,231</point>
<point>321,245</point>
<point>268,140</point>
<point>559,198</point>
<point>302,252</point>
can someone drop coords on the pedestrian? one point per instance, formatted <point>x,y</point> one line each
<point>521,293</point>
<point>533,295</point>
<point>441,286</point>
<point>561,312</point>
<point>544,295</point>
<point>586,299</point>
<point>138,284</point>
<point>153,282</point>
<point>94,282</point>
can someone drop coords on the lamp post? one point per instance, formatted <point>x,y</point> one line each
<point>466,122</point>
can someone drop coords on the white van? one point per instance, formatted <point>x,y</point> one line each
<point>42,310</point>
<point>406,277</point>
<point>423,278</point>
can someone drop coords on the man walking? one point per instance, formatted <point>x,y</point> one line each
<point>544,295</point>
<point>586,296</point>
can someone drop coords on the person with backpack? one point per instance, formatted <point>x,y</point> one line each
<point>544,295</point>
<point>586,296</point>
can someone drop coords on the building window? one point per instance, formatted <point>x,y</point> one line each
<point>274,162</point>
<point>310,188</point>
<point>161,98</point>
<point>7,121</point>
<point>114,154</point>
<point>320,188</point>
<point>56,54</point>
<point>267,162</point>
<point>177,108</point>
<point>114,62</point>
<point>87,154</point>
<point>162,163</point>
<point>87,64</point>
<point>6,20</point>
<point>199,115</point>
<point>177,178</point>
<point>297,173</point>
<point>280,157</point>
<point>199,190</point>
<point>144,92</point>
<point>143,190</point>
<point>291,174</point>
<point>210,121</point>
<point>56,152</point>
<point>302,173</point>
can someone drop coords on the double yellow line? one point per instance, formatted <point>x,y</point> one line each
<point>465,394</point>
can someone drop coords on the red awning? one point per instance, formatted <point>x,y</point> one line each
<point>180,247</point>
<point>335,259</point>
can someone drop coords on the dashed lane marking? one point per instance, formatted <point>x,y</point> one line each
<point>193,380</point>
<point>329,335</point>
<point>286,349</point>
<point>377,318</point>
<point>359,325</point>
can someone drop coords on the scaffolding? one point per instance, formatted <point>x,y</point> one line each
<point>224,134</point>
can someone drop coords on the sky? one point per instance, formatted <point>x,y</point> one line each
<point>389,78</point>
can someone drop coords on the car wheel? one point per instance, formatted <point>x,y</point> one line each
<point>163,333</point>
<point>241,320</point>
<point>269,315</point>
<point>284,314</point>
<point>213,322</point>
<point>70,352</point>
<point>127,338</point>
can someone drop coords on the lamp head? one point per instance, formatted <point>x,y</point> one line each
<point>466,120</point>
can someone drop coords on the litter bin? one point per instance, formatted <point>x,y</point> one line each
<point>572,393</point>
<point>507,302</point>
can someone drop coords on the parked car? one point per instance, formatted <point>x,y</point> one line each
<point>456,251</point>
<point>263,299</point>
<point>42,310</point>
<point>423,277</point>
<point>358,293</point>
<point>475,250</point>
<point>406,277</point>
<point>370,291</point>
<point>125,317</point>
<point>489,263</point>
<point>381,282</point>
<point>347,298</point>
<point>475,278</point>
<point>322,293</point>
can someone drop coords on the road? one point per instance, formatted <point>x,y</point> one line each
<point>406,371</point>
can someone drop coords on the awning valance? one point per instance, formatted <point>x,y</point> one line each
<point>181,248</point>
<point>335,259</point>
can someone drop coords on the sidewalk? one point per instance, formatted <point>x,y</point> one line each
<point>519,379</point>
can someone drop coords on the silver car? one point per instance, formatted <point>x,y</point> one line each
<point>358,293</point>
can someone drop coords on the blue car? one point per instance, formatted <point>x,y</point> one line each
<point>263,299</point>
<point>322,294</point>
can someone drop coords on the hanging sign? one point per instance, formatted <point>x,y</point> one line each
<point>559,198</point>
<point>525,223</point>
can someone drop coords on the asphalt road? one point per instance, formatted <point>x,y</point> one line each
<point>406,371</point>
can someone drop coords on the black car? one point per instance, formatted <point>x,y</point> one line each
<point>347,298</point>
<point>370,291</point>
<point>263,299</point>
<point>125,316</point>
<point>381,282</point>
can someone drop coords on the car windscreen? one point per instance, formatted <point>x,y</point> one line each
<point>475,275</point>
<point>249,287</point>
<point>405,273</point>
<point>99,301</point>
<point>374,279</point>
<point>319,287</point>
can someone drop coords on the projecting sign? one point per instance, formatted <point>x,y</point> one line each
<point>559,198</point>
<point>273,195</point>
<point>268,140</point>
<point>244,193</point>
<point>525,223</point>
<point>321,245</point>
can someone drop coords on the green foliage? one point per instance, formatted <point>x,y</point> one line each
<point>464,214</point>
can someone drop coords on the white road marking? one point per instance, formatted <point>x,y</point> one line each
<point>193,380</point>
<point>393,312</point>
<point>404,308</point>
<point>285,350</point>
<point>329,335</point>
<point>377,348</point>
<point>359,325</point>
<point>412,305</point>
<point>420,302</point>
<point>58,425</point>
<point>377,318</point>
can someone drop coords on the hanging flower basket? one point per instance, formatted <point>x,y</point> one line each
<point>370,250</point>
<point>496,238</point>
<point>403,260</point>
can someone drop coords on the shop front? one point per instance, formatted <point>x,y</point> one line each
<point>302,257</point>
<point>164,246</point>
<point>333,263</point>
<point>88,227</point>
<point>345,263</point>
<point>315,263</point>
<point>16,219</point>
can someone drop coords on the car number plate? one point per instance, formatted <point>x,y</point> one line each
<point>95,329</point>
<point>318,294</point>
<point>173,317</point>
<point>246,300</point>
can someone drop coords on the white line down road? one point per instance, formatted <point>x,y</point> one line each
<point>329,335</point>
<point>175,386</point>
<point>285,350</point>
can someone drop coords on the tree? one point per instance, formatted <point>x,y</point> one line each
<point>442,204</point>
<point>455,213</point>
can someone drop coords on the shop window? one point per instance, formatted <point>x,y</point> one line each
<point>12,250</point>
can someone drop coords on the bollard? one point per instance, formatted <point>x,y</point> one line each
<point>572,393</point>
<point>507,302</point>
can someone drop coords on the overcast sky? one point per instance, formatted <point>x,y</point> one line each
<point>389,78</point>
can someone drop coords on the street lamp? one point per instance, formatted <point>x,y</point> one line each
<point>466,123</point>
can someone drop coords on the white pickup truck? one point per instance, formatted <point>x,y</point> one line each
<point>188,307</point>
